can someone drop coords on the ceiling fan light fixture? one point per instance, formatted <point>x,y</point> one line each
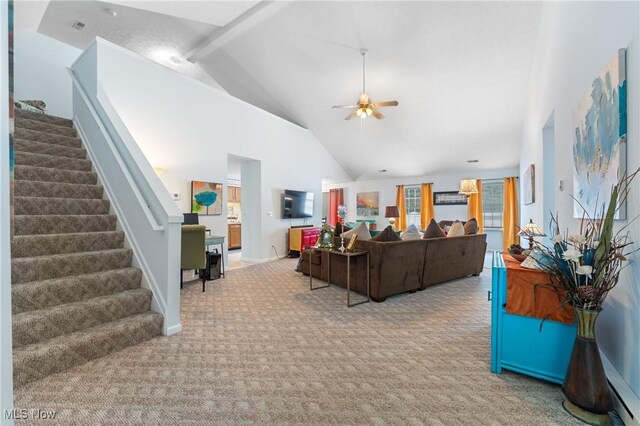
<point>369,111</point>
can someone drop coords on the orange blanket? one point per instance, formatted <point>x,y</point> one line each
<point>526,298</point>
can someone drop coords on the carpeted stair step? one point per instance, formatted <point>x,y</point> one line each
<point>51,161</point>
<point>63,224</point>
<point>36,295</point>
<point>59,140</point>
<point>42,359</point>
<point>45,174</point>
<point>26,269</point>
<point>24,145</point>
<point>43,126</point>
<point>27,188</point>
<point>46,118</point>
<point>47,245</point>
<point>59,206</point>
<point>44,324</point>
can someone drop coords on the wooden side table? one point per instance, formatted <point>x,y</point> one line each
<point>348,255</point>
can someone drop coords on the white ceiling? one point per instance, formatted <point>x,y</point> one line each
<point>460,70</point>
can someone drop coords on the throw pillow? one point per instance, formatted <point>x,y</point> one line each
<point>340,228</point>
<point>433,231</point>
<point>412,233</point>
<point>457,230</point>
<point>387,234</point>
<point>362,231</point>
<point>471,227</point>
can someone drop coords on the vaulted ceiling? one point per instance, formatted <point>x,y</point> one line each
<point>460,70</point>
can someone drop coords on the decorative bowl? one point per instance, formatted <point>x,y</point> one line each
<point>518,253</point>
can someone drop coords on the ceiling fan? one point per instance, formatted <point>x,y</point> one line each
<point>365,107</point>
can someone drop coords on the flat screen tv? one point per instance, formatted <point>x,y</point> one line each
<point>297,204</point>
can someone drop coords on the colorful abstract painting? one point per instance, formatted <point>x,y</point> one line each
<point>206,198</point>
<point>600,139</point>
<point>367,204</point>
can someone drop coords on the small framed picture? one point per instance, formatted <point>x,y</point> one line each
<point>352,242</point>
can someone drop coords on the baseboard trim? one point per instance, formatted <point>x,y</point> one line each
<point>169,331</point>
<point>263,260</point>
<point>626,402</point>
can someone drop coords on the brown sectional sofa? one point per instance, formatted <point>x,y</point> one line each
<point>402,266</point>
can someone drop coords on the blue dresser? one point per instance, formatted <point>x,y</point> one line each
<point>518,344</point>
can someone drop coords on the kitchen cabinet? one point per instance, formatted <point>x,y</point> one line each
<point>235,236</point>
<point>233,194</point>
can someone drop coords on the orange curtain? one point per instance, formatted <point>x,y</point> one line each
<point>510,213</point>
<point>336,198</point>
<point>475,206</point>
<point>426,205</point>
<point>401,222</point>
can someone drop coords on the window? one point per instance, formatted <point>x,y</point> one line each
<point>492,201</point>
<point>412,203</point>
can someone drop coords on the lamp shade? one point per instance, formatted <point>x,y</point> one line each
<point>531,230</point>
<point>468,187</point>
<point>392,211</point>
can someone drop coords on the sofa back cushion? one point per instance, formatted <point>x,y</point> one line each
<point>453,257</point>
<point>395,266</point>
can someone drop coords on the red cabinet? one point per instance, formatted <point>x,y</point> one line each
<point>303,238</point>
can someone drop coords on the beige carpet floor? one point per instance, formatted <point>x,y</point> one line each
<point>260,348</point>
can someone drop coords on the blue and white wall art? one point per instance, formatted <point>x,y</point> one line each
<point>600,142</point>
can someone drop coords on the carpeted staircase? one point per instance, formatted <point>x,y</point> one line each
<point>75,295</point>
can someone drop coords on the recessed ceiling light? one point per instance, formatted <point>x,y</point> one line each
<point>382,171</point>
<point>78,25</point>
<point>472,161</point>
<point>111,12</point>
<point>175,60</point>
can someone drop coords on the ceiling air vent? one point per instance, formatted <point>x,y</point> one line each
<point>78,25</point>
<point>472,161</point>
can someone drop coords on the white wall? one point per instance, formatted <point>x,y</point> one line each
<point>576,40</point>
<point>6,370</point>
<point>443,182</point>
<point>40,71</point>
<point>189,129</point>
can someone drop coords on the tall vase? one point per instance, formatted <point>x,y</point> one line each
<point>585,385</point>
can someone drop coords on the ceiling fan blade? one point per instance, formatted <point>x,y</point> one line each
<point>377,115</point>
<point>345,106</point>
<point>350,116</point>
<point>385,104</point>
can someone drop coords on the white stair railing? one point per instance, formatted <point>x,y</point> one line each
<point>149,218</point>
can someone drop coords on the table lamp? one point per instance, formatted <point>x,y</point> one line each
<point>531,230</point>
<point>392,213</point>
<point>468,187</point>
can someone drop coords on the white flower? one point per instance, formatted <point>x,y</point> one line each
<point>557,239</point>
<point>577,239</point>
<point>572,254</point>
<point>584,270</point>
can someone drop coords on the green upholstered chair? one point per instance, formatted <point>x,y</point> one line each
<point>193,255</point>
